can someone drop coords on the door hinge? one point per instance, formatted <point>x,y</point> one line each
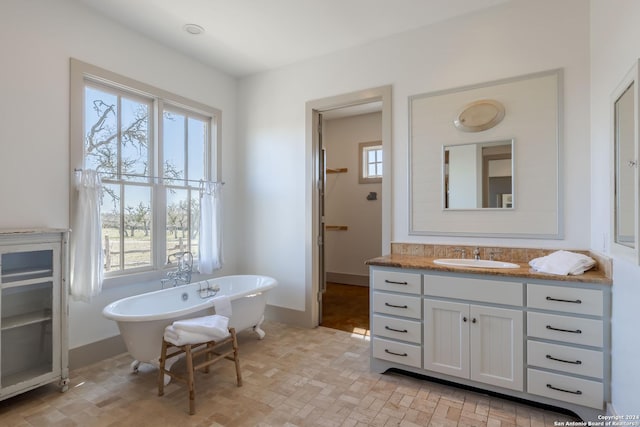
<point>320,242</point>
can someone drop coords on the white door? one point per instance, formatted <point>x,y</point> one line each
<point>446,337</point>
<point>496,346</point>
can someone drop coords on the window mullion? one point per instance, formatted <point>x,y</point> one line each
<point>159,189</point>
<point>121,242</point>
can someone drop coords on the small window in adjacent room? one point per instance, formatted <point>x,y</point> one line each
<point>370,162</point>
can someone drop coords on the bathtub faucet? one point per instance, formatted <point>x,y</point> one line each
<point>182,274</point>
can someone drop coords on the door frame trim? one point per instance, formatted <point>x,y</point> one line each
<point>313,109</point>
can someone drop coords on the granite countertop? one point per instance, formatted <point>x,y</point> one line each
<point>426,263</point>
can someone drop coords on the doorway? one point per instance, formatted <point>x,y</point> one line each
<point>339,292</point>
<point>352,146</point>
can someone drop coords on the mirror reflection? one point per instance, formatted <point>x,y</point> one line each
<point>624,157</point>
<point>479,175</point>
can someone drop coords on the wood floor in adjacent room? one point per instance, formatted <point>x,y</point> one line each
<point>346,307</point>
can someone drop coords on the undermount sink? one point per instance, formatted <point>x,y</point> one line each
<point>474,263</point>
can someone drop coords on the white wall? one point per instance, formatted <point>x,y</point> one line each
<point>517,38</point>
<point>37,38</point>
<point>614,48</point>
<point>346,199</point>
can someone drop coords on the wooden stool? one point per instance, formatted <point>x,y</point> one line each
<point>192,351</point>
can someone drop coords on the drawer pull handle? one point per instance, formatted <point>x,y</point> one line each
<point>395,306</point>
<point>395,283</point>
<point>573,331</point>
<point>574,362</point>
<point>395,354</point>
<point>563,390</point>
<point>577,301</point>
<point>404,331</point>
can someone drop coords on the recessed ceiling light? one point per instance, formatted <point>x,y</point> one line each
<point>193,29</point>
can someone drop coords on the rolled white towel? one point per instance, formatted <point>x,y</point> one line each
<point>214,324</point>
<point>222,305</point>
<point>563,263</point>
<point>180,337</point>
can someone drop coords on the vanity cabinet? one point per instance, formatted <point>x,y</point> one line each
<point>470,340</point>
<point>546,341</point>
<point>33,311</point>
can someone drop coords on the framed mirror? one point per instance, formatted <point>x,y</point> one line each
<point>513,125</point>
<point>625,148</point>
<point>478,175</point>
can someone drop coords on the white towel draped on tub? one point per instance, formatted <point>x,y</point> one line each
<point>563,263</point>
<point>197,330</point>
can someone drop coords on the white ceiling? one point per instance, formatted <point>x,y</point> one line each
<point>243,37</point>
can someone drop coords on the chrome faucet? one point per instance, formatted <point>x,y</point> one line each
<point>182,274</point>
<point>476,253</point>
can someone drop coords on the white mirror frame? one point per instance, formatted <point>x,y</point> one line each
<point>631,254</point>
<point>533,114</point>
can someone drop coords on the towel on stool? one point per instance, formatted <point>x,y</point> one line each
<point>222,305</point>
<point>563,263</point>
<point>199,333</point>
<point>206,325</point>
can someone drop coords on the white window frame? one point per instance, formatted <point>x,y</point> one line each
<point>83,74</point>
<point>363,165</point>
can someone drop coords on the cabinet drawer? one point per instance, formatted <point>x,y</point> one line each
<point>588,363</point>
<point>564,328</point>
<point>406,354</point>
<point>400,329</point>
<point>509,293</point>
<point>562,387</point>
<point>397,281</point>
<point>560,298</point>
<point>397,305</point>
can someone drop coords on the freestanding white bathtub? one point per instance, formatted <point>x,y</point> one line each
<point>142,318</point>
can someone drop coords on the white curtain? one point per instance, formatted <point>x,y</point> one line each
<point>210,245</point>
<point>86,246</point>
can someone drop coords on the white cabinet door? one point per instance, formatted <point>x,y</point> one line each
<point>496,346</point>
<point>446,337</point>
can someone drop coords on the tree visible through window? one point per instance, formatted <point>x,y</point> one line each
<point>150,200</point>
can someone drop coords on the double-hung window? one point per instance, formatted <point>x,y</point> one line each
<point>370,161</point>
<point>152,151</point>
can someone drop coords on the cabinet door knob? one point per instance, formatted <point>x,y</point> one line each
<point>474,320</point>
<point>464,319</point>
